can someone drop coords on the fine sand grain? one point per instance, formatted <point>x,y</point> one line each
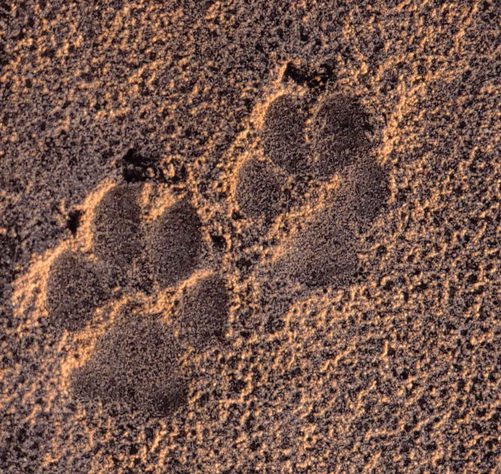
<point>249,236</point>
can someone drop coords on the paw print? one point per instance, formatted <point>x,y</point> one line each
<point>307,143</point>
<point>310,190</point>
<point>136,360</point>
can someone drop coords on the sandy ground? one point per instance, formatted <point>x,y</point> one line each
<point>249,236</point>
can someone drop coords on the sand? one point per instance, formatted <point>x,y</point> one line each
<point>244,237</point>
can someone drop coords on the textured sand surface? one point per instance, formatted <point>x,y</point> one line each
<point>249,236</point>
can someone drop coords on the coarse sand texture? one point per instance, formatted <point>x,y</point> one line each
<point>249,237</point>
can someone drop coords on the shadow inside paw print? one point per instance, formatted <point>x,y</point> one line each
<point>175,244</point>
<point>136,361</point>
<point>324,138</point>
<point>364,193</point>
<point>283,134</point>
<point>74,289</point>
<point>202,313</point>
<point>117,228</point>
<point>338,133</point>
<point>259,191</point>
<point>321,255</point>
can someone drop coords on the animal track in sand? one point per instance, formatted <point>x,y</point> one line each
<point>323,252</point>
<point>137,360</point>
<point>202,312</point>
